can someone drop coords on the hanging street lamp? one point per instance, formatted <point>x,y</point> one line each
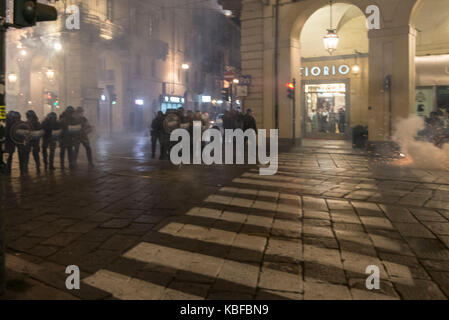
<point>50,74</point>
<point>331,39</point>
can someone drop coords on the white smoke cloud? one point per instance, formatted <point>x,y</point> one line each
<point>422,153</point>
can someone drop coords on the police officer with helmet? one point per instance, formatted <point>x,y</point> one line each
<point>33,145</point>
<point>52,133</point>
<point>71,129</point>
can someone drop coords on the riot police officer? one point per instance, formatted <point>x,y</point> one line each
<point>83,137</point>
<point>13,135</point>
<point>52,133</point>
<point>2,143</point>
<point>157,128</point>
<point>33,145</point>
<point>172,122</point>
<point>71,130</point>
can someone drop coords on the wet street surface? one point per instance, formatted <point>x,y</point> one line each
<point>145,229</point>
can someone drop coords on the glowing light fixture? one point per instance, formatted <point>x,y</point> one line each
<point>50,74</point>
<point>139,102</point>
<point>57,46</point>
<point>206,99</point>
<point>355,69</point>
<point>23,52</point>
<point>227,13</point>
<point>103,97</point>
<point>12,78</point>
<point>236,81</point>
<point>185,66</point>
<point>331,39</point>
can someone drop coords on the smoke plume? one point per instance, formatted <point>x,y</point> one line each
<point>421,154</point>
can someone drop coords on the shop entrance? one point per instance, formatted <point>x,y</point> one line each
<point>326,109</point>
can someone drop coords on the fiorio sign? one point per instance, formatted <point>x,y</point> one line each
<point>325,71</point>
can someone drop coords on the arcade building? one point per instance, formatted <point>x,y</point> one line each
<point>360,75</point>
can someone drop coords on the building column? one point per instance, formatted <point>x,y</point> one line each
<point>391,52</point>
<point>289,69</point>
<point>252,55</point>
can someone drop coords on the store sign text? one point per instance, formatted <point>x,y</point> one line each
<point>325,71</point>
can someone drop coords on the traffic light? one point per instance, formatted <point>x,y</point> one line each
<point>114,99</point>
<point>28,12</point>
<point>56,102</point>
<point>225,94</point>
<point>50,98</point>
<point>291,90</point>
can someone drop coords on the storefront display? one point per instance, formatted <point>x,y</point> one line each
<point>325,109</point>
<point>171,102</point>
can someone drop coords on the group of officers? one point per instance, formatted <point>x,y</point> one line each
<point>70,130</point>
<point>163,125</point>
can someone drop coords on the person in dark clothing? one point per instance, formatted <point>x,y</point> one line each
<point>12,118</point>
<point>248,121</point>
<point>52,132</point>
<point>227,120</point>
<point>342,120</point>
<point>237,120</point>
<point>2,143</point>
<point>157,130</point>
<point>33,145</point>
<point>171,122</point>
<point>83,137</point>
<point>71,129</point>
<point>18,134</point>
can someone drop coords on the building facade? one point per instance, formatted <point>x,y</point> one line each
<point>124,62</point>
<point>376,76</point>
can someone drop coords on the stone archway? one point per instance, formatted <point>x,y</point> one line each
<point>391,52</point>
<point>333,91</point>
<point>293,22</point>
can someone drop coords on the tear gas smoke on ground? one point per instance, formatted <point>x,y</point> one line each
<point>420,154</point>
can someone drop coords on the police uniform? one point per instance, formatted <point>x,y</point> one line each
<point>171,123</point>
<point>83,136</point>
<point>12,119</point>
<point>52,133</point>
<point>71,129</point>
<point>2,143</point>
<point>33,145</point>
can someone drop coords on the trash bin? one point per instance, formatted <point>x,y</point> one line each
<point>359,137</point>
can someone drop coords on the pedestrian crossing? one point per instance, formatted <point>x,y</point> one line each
<point>244,240</point>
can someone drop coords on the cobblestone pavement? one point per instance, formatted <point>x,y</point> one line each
<point>144,229</point>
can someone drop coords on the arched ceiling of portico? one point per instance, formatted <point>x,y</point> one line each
<point>350,23</point>
<point>431,20</point>
<point>394,13</point>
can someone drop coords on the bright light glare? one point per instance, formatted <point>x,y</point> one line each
<point>356,69</point>
<point>12,77</point>
<point>58,46</point>
<point>206,99</point>
<point>185,66</point>
<point>140,102</point>
<point>50,74</point>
